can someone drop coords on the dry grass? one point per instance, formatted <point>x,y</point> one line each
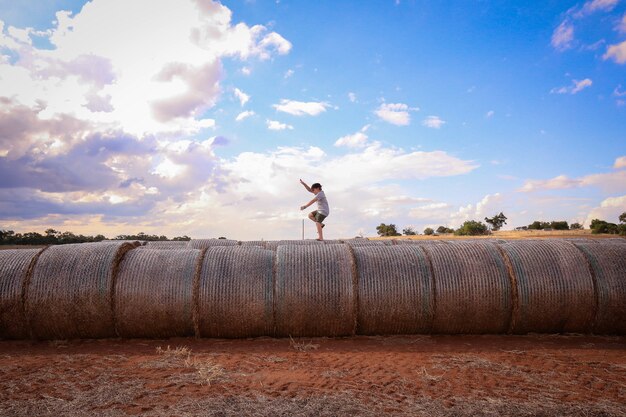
<point>206,371</point>
<point>511,234</point>
<point>302,346</point>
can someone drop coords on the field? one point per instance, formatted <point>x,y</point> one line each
<point>417,375</point>
<point>535,375</point>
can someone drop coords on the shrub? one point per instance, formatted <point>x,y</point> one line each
<point>472,228</point>
<point>429,231</point>
<point>387,230</point>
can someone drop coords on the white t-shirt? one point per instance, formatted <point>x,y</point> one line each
<point>322,203</point>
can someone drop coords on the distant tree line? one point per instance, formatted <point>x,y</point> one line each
<point>474,228</point>
<point>55,237</point>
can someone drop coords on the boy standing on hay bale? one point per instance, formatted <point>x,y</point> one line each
<point>322,211</point>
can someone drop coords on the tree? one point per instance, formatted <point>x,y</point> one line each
<point>443,229</point>
<point>622,217</point>
<point>387,230</point>
<point>472,228</point>
<point>576,226</point>
<point>409,231</point>
<point>601,226</point>
<point>561,225</point>
<point>537,225</point>
<point>496,221</point>
<point>429,231</point>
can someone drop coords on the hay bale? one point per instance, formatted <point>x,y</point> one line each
<point>15,265</point>
<point>472,288</point>
<point>69,295</point>
<point>209,243</point>
<point>166,244</point>
<point>553,290</point>
<point>274,244</point>
<point>257,243</point>
<point>608,266</point>
<point>366,242</point>
<point>314,291</point>
<point>154,293</point>
<point>395,291</point>
<point>235,294</point>
<point>419,242</point>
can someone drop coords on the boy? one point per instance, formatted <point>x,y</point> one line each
<point>322,211</point>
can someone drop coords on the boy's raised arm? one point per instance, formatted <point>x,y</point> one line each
<point>306,186</point>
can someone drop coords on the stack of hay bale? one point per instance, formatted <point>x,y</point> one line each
<point>225,288</point>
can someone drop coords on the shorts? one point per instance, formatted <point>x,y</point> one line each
<point>319,217</point>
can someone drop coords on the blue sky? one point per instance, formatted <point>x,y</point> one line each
<point>198,118</point>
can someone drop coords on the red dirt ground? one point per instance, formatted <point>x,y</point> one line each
<point>536,375</point>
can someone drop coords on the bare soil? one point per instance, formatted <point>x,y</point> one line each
<point>535,375</point>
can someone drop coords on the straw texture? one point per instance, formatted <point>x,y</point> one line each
<point>554,287</point>
<point>153,293</point>
<point>472,287</point>
<point>69,295</point>
<point>274,244</point>
<point>258,243</point>
<point>208,243</point>
<point>395,290</point>
<point>367,242</point>
<point>608,266</point>
<point>169,244</point>
<point>14,267</point>
<point>235,294</point>
<point>314,292</point>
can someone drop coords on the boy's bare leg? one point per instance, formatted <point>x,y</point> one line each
<point>319,230</point>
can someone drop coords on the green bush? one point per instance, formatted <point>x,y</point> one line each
<point>472,228</point>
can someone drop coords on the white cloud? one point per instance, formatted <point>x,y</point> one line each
<point>573,89</point>
<point>244,115</point>
<point>563,36</point>
<point>616,52</point>
<point>301,108</point>
<point>490,114</point>
<point>433,122</point>
<point>288,73</point>
<point>609,210</point>
<point>596,5</point>
<point>275,125</point>
<point>241,96</point>
<point>489,205</point>
<point>395,113</point>
<point>352,97</point>
<point>622,25</point>
<point>246,71</point>
<point>620,162</point>
<point>355,140</point>
<point>611,182</point>
<point>104,67</point>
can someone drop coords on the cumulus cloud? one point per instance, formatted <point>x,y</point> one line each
<point>616,52</point>
<point>241,96</point>
<point>354,140</point>
<point>395,113</point>
<point>608,210</point>
<point>276,125</point>
<point>244,115</point>
<point>577,87</point>
<point>610,181</point>
<point>104,67</point>
<point>620,162</point>
<point>301,108</point>
<point>433,122</point>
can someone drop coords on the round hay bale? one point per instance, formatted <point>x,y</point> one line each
<point>69,295</point>
<point>366,242</point>
<point>208,243</point>
<point>472,288</point>
<point>395,293</point>
<point>235,294</point>
<point>419,242</point>
<point>169,244</point>
<point>554,289</point>
<point>15,265</point>
<point>154,293</point>
<point>274,244</point>
<point>608,266</point>
<point>314,291</point>
<point>257,243</point>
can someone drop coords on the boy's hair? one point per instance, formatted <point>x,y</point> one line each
<point>316,185</point>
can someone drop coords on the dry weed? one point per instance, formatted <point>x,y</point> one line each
<point>302,346</point>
